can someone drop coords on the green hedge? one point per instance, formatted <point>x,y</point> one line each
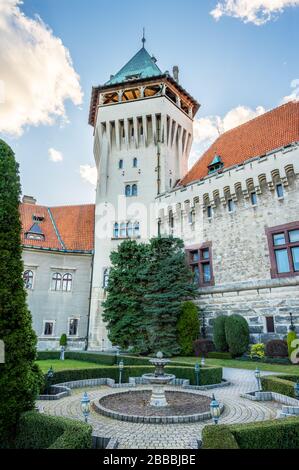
<point>283,384</point>
<point>219,355</point>
<point>39,431</point>
<point>208,375</point>
<point>272,434</point>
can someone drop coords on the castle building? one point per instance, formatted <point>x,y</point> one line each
<point>58,256</point>
<point>237,210</point>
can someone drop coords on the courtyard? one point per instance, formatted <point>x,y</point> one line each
<point>168,436</point>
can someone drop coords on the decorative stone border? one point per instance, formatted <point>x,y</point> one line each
<point>61,392</point>
<point>152,419</point>
<point>291,405</point>
<point>184,383</point>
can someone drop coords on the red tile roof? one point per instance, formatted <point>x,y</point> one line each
<point>68,228</point>
<point>270,131</point>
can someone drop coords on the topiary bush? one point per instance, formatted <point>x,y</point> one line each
<point>237,334</point>
<point>219,336</point>
<point>292,336</point>
<point>203,346</point>
<point>188,327</point>
<point>283,384</point>
<point>277,348</point>
<point>39,431</point>
<point>63,340</point>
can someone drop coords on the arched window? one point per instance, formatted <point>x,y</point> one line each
<point>123,230</point>
<point>128,190</point>
<point>130,229</point>
<point>134,190</point>
<point>135,162</point>
<point>120,164</point>
<point>28,279</point>
<point>136,229</point>
<point>56,281</point>
<point>115,230</point>
<point>67,282</point>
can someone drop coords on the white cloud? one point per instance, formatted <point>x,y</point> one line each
<point>55,156</point>
<point>89,173</point>
<point>258,12</point>
<point>36,69</point>
<point>294,96</point>
<point>207,129</point>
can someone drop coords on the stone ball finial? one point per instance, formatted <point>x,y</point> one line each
<point>159,355</point>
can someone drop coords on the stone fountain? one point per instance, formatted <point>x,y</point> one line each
<point>158,379</point>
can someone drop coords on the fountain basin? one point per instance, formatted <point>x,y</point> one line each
<point>133,406</point>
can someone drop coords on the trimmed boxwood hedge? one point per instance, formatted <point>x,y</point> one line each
<point>39,431</point>
<point>208,375</point>
<point>219,355</point>
<point>272,434</point>
<point>283,384</point>
<point>99,358</point>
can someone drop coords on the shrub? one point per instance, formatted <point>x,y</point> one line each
<point>257,351</point>
<point>188,327</point>
<point>276,348</point>
<point>208,375</point>
<point>272,434</point>
<point>237,334</point>
<point>290,338</point>
<point>219,336</point>
<point>39,431</point>
<point>63,340</point>
<point>283,384</point>
<point>203,346</point>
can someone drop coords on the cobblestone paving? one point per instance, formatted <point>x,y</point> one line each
<point>168,436</point>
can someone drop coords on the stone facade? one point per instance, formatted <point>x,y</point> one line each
<point>59,307</point>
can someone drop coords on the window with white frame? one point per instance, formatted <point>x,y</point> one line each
<point>28,279</point>
<point>56,281</point>
<point>67,282</point>
<point>73,326</point>
<point>48,328</point>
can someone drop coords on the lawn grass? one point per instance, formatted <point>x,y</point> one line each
<point>67,364</point>
<point>279,368</point>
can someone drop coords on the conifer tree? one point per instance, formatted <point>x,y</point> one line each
<point>18,375</point>
<point>123,308</point>
<point>168,284</point>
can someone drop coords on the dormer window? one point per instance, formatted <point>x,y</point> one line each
<point>38,218</point>
<point>133,77</point>
<point>215,165</point>
<point>35,233</point>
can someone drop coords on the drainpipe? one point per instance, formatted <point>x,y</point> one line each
<point>89,305</point>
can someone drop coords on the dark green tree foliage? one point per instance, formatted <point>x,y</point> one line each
<point>188,327</point>
<point>123,309</point>
<point>237,334</point>
<point>219,337</point>
<point>18,376</point>
<point>168,284</point>
<point>63,340</point>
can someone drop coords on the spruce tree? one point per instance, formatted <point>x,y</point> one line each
<point>123,308</point>
<point>188,327</point>
<point>168,284</point>
<point>18,375</point>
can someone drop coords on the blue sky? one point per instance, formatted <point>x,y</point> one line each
<point>223,64</point>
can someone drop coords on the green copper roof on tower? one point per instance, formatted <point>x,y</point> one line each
<point>142,65</point>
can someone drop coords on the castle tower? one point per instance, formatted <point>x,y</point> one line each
<point>143,132</point>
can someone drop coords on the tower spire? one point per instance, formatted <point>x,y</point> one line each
<point>143,38</point>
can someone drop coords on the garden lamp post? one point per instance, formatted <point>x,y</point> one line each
<point>197,371</point>
<point>85,406</point>
<point>49,377</point>
<point>215,409</point>
<point>296,389</point>
<point>203,362</point>
<point>257,374</point>
<point>121,368</point>
<point>292,326</point>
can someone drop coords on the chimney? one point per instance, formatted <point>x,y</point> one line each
<point>28,200</point>
<point>175,72</point>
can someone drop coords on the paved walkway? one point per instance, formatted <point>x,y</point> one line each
<point>169,436</point>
